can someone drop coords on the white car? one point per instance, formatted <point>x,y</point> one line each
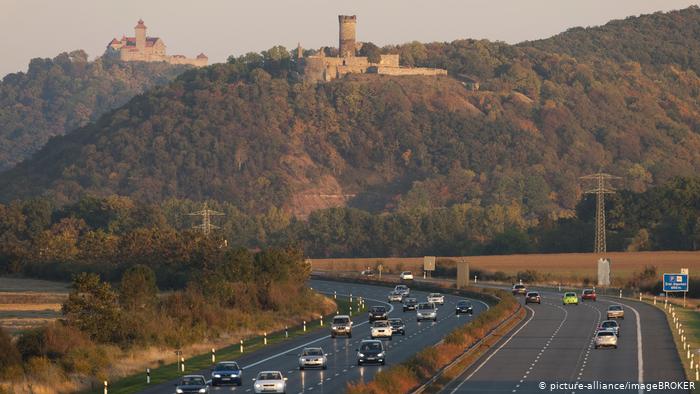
<point>605,338</point>
<point>312,357</point>
<point>436,298</point>
<point>380,329</point>
<point>426,311</point>
<point>406,275</point>
<point>403,290</point>
<point>270,382</point>
<point>395,297</point>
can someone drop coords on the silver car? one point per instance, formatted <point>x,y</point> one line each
<point>610,325</point>
<point>395,296</point>
<point>381,329</point>
<point>313,357</point>
<point>270,382</point>
<point>605,339</point>
<point>403,290</point>
<point>426,311</point>
<point>436,298</point>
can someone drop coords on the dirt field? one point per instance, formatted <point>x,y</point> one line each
<point>27,303</point>
<point>569,266</point>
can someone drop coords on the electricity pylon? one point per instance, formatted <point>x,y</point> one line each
<point>601,189</point>
<point>206,215</point>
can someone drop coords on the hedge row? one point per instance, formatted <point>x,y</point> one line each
<point>406,376</point>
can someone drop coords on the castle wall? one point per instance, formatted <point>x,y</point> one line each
<point>389,60</point>
<point>407,70</point>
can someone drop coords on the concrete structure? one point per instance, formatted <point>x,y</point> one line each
<point>142,48</point>
<point>320,67</point>
<point>462,275</point>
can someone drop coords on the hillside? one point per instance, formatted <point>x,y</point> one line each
<point>58,95</point>
<point>248,132</point>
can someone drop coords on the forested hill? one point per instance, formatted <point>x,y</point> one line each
<point>58,95</point>
<point>250,133</point>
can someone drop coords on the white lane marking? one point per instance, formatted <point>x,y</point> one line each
<point>496,351</point>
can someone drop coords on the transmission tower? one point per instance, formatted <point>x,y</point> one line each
<point>206,215</point>
<point>601,189</point>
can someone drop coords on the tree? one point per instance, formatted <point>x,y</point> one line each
<point>10,359</point>
<point>138,290</point>
<point>93,308</point>
<point>373,53</point>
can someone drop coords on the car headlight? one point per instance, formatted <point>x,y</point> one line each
<point>217,375</point>
<point>257,385</point>
<point>178,390</point>
<point>202,390</point>
<point>233,375</point>
<point>360,354</point>
<point>380,354</point>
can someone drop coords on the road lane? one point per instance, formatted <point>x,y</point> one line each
<point>342,366</point>
<point>556,346</point>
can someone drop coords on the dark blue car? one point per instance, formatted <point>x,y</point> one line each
<point>227,372</point>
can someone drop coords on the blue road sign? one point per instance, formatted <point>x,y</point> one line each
<point>675,282</point>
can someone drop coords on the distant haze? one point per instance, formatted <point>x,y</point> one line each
<point>219,28</point>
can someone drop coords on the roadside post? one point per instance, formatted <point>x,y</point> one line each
<point>241,346</point>
<point>148,376</point>
<point>265,338</point>
<point>320,318</point>
<point>213,355</point>
<point>286,332</point>
<point>304,325</point>
<point>474,279</point>
<point>182,359</point>
<point>105,387</point>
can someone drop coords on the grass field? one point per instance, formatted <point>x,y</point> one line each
<point>28,303</point>
<point>559,267</point>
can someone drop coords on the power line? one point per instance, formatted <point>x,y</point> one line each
<point>601,189</point>
<point>206,215</point>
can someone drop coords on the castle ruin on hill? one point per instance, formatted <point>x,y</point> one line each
<point>320,67</point>
<point>142,48</point>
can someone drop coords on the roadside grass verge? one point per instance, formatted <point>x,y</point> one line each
<point>166,372</point>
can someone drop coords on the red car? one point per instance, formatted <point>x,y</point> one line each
<point>588,294</point>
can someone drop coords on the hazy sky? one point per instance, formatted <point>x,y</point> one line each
<point>219,28</point>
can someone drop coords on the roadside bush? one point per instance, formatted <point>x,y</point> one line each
<point>10,359</point>
<point>41,369</point>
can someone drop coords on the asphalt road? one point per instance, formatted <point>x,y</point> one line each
<point>342,365</point>
<point>555,345</point>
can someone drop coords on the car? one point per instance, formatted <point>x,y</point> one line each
<point>341,325</point>
<point>403,289</point>
<point>436,298</point>
<point>610,325</point>
<point>616,311</point>
<point>409,304</point>
<point>270,382</point>
<point>367,273</point>
<point>588,294</point>
<point>226,372</point>
<point>395,296</point>
<point>533,297</point>
<point>605,339</point>
<point>426,311</point>
<point>371,351</point>
<point>313,357</point>
<point>464,307</point>
<point>519,289</point>
<point>380,329</point>
<point>377,313</point>
<point>406,275</point>
<point>397,326</point>
<point>192,384</point>
<point>570,298</point>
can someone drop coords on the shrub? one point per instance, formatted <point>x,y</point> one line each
<point>10,359</point>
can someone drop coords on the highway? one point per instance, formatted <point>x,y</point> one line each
<point>342,366</point>
<point>554,345</point>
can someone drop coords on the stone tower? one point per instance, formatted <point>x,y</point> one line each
<point>347,35</point>
<point>140,30</point>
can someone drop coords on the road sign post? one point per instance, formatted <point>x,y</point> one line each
<point>675,283</point>
<point>429,264</point>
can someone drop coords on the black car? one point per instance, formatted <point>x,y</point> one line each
<point>464,307</point>
<point>409,304</point>
<point>377,313</point>
<point>397,326</point>
<point>227,372</point>
<point>371,351</point>
<point>192,384</point>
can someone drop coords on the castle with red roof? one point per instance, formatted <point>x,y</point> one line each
<point>142,48</point>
